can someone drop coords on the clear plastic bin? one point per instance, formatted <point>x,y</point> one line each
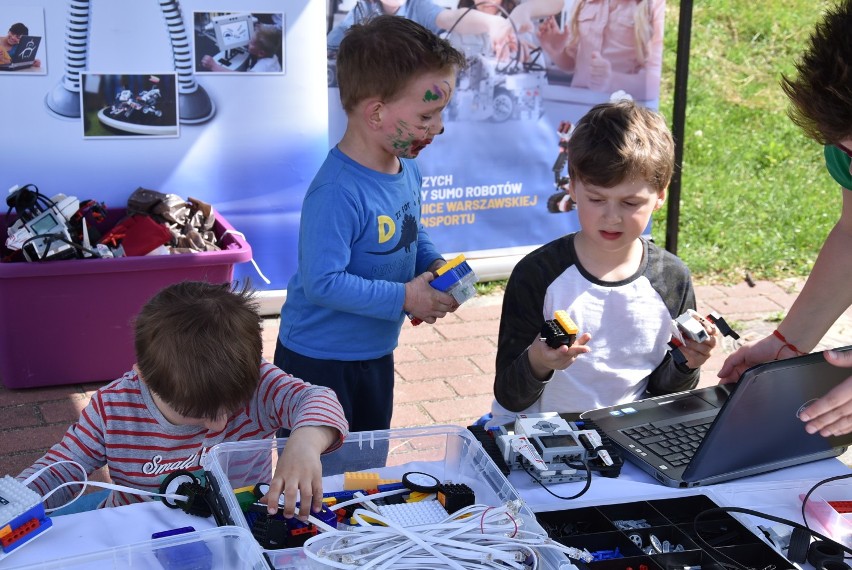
<point>222,548</point>
<point>449,453</point>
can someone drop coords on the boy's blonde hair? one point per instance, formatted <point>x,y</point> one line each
<point>620,141</point>
<point>267,37</point>
<point>379,57</point>
<point>199,347</point>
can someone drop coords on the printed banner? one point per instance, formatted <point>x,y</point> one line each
<point>238,107</point>
<point>200,99</point>
<point>495,179</point>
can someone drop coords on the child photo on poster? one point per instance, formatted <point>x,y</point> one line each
<point>23,44</point>
<point>227,42</point>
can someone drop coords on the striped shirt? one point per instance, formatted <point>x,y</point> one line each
<point>122,428</point>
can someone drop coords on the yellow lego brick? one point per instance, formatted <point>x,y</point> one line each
<point>246,489</point>
<point>565,322</point>
<point>454,262</point>
<point>359,480</point>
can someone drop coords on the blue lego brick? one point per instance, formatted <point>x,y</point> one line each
<point>190,556</point>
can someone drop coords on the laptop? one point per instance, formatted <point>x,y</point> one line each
<point>25,54</point>
<point>715,434</point>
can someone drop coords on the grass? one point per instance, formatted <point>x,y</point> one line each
<point>755,195</point>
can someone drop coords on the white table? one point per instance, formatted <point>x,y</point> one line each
<point>775,492</point>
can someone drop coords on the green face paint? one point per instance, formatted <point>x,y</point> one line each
<point>429,96</point>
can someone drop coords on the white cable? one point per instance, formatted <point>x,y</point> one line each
<point>361,498</point>
<point>478,536</point>
<point>253,262</point>
<point>85,483</point>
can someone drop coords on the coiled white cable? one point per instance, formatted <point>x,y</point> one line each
<point>478,536</point>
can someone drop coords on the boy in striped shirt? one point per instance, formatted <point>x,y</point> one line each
<point>199,380</point>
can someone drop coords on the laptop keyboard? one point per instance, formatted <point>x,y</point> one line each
<point>676,443</point>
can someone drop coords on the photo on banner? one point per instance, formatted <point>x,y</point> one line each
<point>127,77</point>
<point>130,105</point>
<point>23,43</point>
<point>227,42</point>
<point>495,180</point>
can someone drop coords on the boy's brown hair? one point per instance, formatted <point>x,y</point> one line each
<point>378,58</point>
<point>821,91</point>
<point>620,141</point>
<point>199,347</point>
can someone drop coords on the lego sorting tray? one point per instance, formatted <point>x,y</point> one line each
<point>661,533</point>
<point>68,321</point>
<point>222,548</point>
<point>449,453</point>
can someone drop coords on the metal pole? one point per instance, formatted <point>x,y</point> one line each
<point>684,32</point>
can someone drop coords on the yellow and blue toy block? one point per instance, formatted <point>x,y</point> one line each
<point>457,278</point>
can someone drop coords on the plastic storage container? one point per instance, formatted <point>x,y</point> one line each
<point>661,533</point>
<point>449,453</point>
<point>831,507</point>
<point>223,548</point>
<point>68,322</point>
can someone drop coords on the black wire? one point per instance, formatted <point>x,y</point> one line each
<point>582,491</point>
<point>812,489</point>
<point>48,241</point>
<point>754,513</point>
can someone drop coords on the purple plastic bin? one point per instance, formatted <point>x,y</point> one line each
<point>68,322</point>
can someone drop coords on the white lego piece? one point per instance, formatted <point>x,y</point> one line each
<point>415,513</point>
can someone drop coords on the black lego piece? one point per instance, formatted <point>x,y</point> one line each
<point>456,496</point>
<point>490,446</point>
<point>555,336</point>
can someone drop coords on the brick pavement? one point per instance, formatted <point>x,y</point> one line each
<point>444,372</point>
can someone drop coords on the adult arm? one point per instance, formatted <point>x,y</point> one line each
<point>464,21</point>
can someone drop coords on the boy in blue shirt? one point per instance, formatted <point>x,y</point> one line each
<point>364,260</point>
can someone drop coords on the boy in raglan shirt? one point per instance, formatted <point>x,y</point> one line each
<point>199,380</point>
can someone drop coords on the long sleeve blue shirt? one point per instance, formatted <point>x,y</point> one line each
<point>360,241</point>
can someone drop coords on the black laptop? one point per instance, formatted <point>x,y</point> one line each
<point>25,54</point>
<point>715,434</point>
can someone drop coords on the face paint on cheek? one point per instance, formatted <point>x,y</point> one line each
<point>402,139</point>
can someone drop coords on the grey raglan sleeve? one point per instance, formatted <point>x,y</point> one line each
<point>515,387</point>
<point>672,280</point>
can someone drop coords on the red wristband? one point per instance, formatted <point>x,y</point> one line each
<point>777,334</point>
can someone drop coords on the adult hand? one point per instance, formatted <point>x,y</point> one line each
<point>832,414</point>
<point>544,359</point>
<point>550,38</point>
<point>600,73</point>
<point>298,473</point>
<point>749,355</point>
<point>425,303</point>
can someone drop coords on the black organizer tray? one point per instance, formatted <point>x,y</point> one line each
<point>602,530</point>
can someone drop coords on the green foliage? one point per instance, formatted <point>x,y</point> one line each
<point>490,287</point>
<point>755,195</point>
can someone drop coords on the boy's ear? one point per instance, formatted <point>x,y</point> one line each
<point>661,199</point>
<point>373,113</point>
